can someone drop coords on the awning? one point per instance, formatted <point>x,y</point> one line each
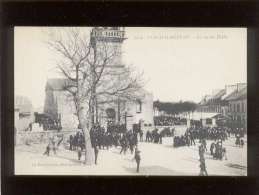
<point>204,115</point>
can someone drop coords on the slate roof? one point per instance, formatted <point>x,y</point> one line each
<point>57,84</point>
<point>219,94</point>
<point>237,95</point>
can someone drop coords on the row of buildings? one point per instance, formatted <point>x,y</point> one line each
<point>231,102</point>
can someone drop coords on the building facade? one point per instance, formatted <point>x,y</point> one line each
<point>237,108</point>
<point>231,102</point>
<point>218,102</point>
<point>59,106</point>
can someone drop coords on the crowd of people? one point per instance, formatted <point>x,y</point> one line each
<point>101,139</point>
<point>128,140</point>
<point>208,133</point>
<point>156,135</point>
<point>49,124</point>
<point>217,150</point>
<point>76,141</point>
<point>53,143</point>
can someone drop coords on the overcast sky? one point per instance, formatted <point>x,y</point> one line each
<point>178,63</point>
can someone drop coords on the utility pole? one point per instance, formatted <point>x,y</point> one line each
<point>126,119</point>
<point>119,117</point>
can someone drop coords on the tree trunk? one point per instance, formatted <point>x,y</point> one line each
<point>83,118</point>
<point>96,111</point>
<point>89,151</point>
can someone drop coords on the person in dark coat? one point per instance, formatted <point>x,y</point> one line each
<point>131,145</point>
<point>147,136</point>
<point>204,143</point>
<point>192,141</point>
<point>51,145</point>
<point>30,126</point>
<point>212,147</point>
<point>159,138</point>
<point>203,170</point>
<point>96,151</point>
<point>141,135</point>
<point>47,150</point>
<point>70,142</point>
<point>79,153</point>
<point>124,145</point>
<point>242,143</point>
<point>137,158</point>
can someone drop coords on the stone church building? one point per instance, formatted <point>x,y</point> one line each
<point>59,106</point>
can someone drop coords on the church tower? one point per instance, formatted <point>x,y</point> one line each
<point>112,38</point>
<point>109,40</point>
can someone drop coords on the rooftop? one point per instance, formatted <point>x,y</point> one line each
<point>204,115</point>
<point>237,95</point>
<point>57,84</point>
<point>219,94</point>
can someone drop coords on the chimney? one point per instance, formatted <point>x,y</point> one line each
<point>230,88</point>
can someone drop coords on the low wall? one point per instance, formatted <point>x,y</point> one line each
<point>30,137</point>
<point>23,123</point>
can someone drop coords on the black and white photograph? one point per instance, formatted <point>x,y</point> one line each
<point>123,101</point>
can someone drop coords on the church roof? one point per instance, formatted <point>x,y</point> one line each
<point>57,84</point>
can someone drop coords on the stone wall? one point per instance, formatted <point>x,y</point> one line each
<point>23,123</point>
<point>30,137</point>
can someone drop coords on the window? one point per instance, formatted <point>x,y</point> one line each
<point>243,107</point>
<point>238,107</point>
<point>208,121</point>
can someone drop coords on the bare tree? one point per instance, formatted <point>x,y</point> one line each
<point>91,76</point>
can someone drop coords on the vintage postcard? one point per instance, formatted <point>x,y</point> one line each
<point>130,101</point>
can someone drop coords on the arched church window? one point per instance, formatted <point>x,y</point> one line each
<point>139,106</point>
